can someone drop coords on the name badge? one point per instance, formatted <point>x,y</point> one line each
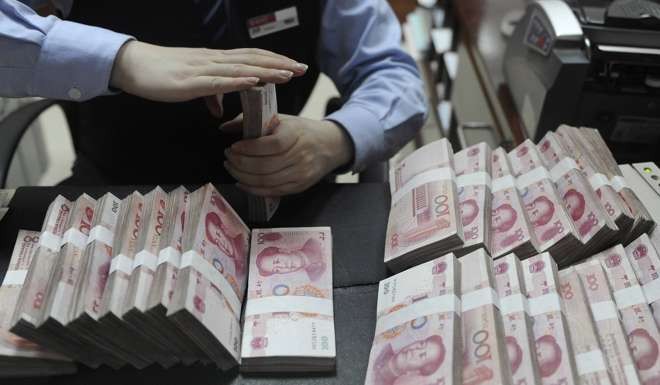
<point>273,22</point>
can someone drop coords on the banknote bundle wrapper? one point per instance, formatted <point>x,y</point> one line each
<point>518,333</point>
<point>590,360</point>
<point>20,357</point>
<point>207,298</point>
<point>485,357</point>
<point>289,315</point>
<point>511,231</point>
<point>553,228</point>
<point>607,165</point>
<point>554,350</point>
<point>62,280</point>
<point>635,314</point>
<point>141,278</point>
<point>555,147</point>
<point>594,218</point>
<point>472,166</point>
<point>645,259</point>
<point>156,278</point>
<point>424,217</point>
<point>613,338</point>
<point>417,337</point>
<point>260,119</point>
<point>437,154</point>
<point>167,270</point>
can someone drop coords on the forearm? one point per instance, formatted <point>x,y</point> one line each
<point>384,97</point>
<point>48,57</point>
<point>381,116</point>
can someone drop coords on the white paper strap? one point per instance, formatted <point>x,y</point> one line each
<point>14,277</point>
<point>514,303</point>
<point>433,175</point>
<point>121,263</point>
<point>101,234</point>
<point>74,237</point>
<point>502,183</point>
<point>441,304</point>
<point>629,296</point>
<point>561,168</point>
<point>531,177</point>
<point>146,259</point>
<point>169,255</point>
<point>619,183</point>
<point>474,179</point>
<point>544,304</point>
<point>590,362</point>
<point>652,291</point>
<point>604,310</point>
<point>598,180</point>
<point>289,303</point>
<point>194,260</point>
<point>50,241</point>
<point>478,298</point>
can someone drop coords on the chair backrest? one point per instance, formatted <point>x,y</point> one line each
<point>12,128</point>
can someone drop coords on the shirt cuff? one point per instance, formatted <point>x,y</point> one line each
<point>365,130</point>
<point>76,61</point>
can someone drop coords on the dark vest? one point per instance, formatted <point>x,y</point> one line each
<point>133,141</point>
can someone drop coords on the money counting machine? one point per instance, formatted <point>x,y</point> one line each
<point>592,63</point>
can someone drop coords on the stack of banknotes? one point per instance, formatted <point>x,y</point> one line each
<point>289,316</point>
<point>260,119</point>
<point>475,320</point>
<point>160,278</point>
<point>5,198</point>
<point>425,216</point>
<point>565,196</point>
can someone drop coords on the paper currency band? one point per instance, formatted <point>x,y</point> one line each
<point>629,296</point>
<point>101,234</point>
<point>590,362</point>
<point>514,303</point>
<point>50,241</point>
<point>531,177</point>
<point>121,263</point>
<point>561,168</point>
<point>289,303</point>
<point>74,237</point>
<point>169,255</point>
<point>474,179</point>
<point>478,298</point>
<point>193,259</point>
<point>435,175</point>
<point>14,277</point>
<point>544,304</point>
<point>435,305</point>
<point>146,259</point>
<point>599,180</point>
<point>502,183</point>
<point>652,291</point>
<point>619,183</point>
<point>604,310</point>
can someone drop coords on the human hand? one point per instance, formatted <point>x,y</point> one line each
<point>294,157</point>
<point>179,74</point>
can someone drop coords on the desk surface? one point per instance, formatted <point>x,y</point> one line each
<point>480,21</point>
<point>357,214</point>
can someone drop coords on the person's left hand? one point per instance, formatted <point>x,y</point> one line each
<point>297,155</point>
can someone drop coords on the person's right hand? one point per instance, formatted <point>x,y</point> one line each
<point>180,74</point>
